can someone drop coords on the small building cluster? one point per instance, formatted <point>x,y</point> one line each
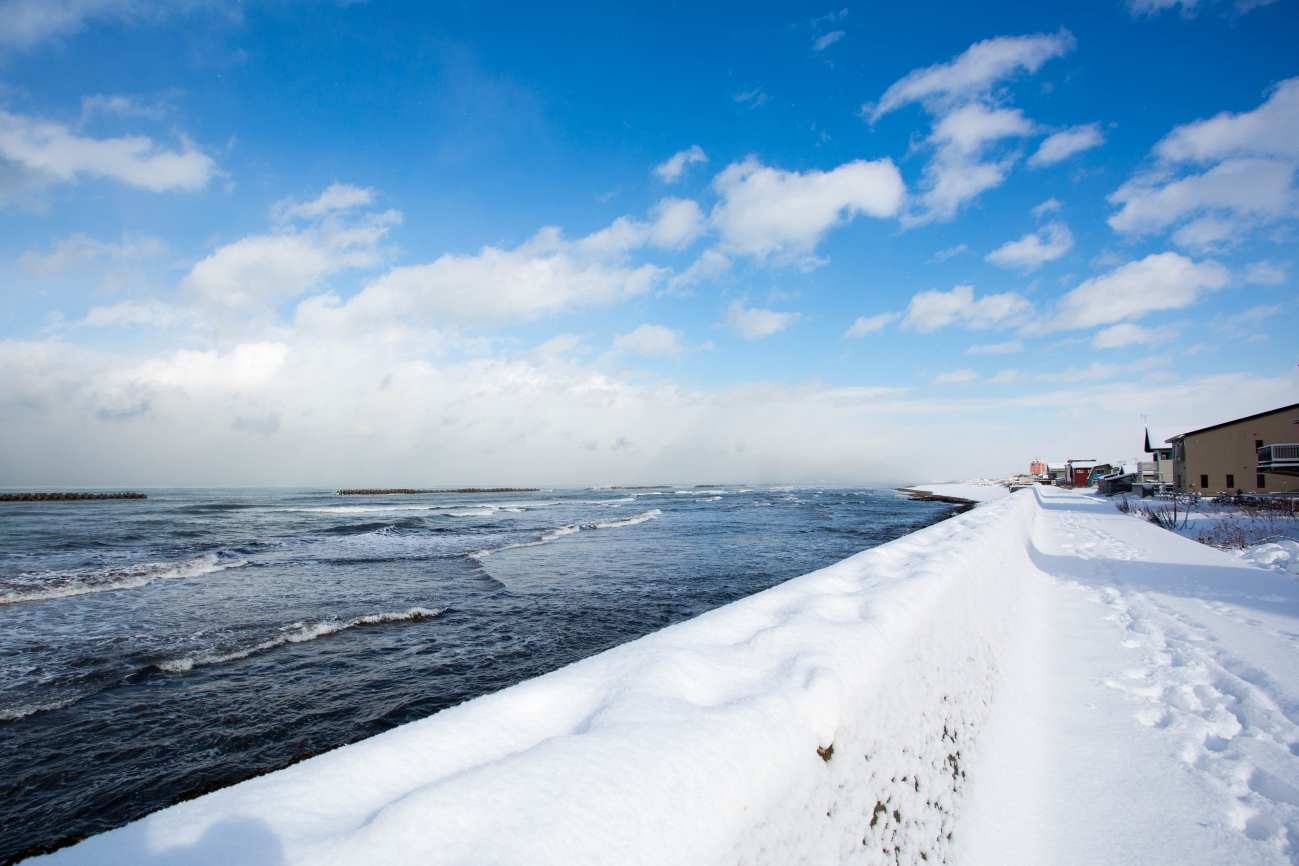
<point>1257,454</point>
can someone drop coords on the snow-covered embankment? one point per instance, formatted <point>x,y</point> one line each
<point>1039,680</point>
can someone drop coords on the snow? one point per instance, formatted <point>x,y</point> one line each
<point>1040,680</point>
<point>975,491</point>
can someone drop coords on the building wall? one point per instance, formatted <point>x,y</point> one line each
<point>1230,450</point>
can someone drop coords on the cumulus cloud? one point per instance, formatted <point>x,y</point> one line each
<point>1062,145</point>
<point>35,151</point>
<point>1035,249</point>
<point>262,271</point>
<point>27,22</point>
<point>931,310</point>
<point>1162,281</point>
<point>678,223</point>
<point>968,117</point>
<point>545,275</point>
<point>652,341</point>
<point>752,323</point>
<point>869,325</point>
<point>710,264</point>
<point>338,197</point>
<point>150,313</point>
<point>1215,180</point>
<point>1127,334</point>
<point>767,212</point>
<point>671,169</point>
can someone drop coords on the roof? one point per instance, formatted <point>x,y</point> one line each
<point>1291,407</point>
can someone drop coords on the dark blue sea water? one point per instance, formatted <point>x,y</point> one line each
<point>154,649</point>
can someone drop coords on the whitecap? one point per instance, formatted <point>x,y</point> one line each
<point>40,586</point>
<point>297,632</point>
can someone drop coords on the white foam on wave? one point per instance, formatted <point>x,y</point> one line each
<point>40,586</point>
<point>298,632</point>
<point>630,521</point>
<point>709,499</point>
<point>13,714</point>
<point>561,531</point>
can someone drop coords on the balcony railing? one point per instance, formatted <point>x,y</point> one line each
<point>1279,459</point>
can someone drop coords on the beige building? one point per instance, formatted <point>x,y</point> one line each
<point>1224,458</point>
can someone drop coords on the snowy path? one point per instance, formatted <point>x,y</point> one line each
<point>1148,715</point>
<point>1039,680</point>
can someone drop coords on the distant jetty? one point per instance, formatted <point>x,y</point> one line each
<point>64,497</point>
<point>406,490</point>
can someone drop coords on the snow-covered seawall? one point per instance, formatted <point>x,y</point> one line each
<point>828,718</point>
<point>1039,680</point>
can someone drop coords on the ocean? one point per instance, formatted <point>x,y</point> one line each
<point>153,650</point>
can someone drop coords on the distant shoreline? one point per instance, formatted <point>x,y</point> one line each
<point>409,491</point>
<point>926,496</point>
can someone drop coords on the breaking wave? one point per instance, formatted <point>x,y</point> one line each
<point>298,632</point>
<point>12,714</point>
<point>41,585</point>
<point>569,530</point>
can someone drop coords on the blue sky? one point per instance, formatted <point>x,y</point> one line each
<point>316,243</point>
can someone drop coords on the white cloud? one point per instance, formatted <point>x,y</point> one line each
<point>1005,377</point>
<point>869,325</point>
<point>931,310</point>
<point>943,255</point>
<point>710,264</point>
<point>1263,273</point>
<point>955,377</point>
<point>753,96</point>
<point>671,169</point>
<point>972,74</point>
<point>545,275</point>
<point>1062,145</point>
<point>678,223</point>
<point>824,42</point>
<point>149,313</point>
<point>766,212</point>
<point>338,197</point>
<point>123,106</point>
<point>753,323</point>
<point>1162,281</point>
<point>41,151</point>
<point>1217,179</point>
<point>1127,334</point>
<point>262,271</point>
<point>1051,205</point>
<point>652,341</point>
<point>1033,250</point>
<point>1009,347</point>
<point>26,22</point>
<point>968,118</point>
<point>1187,8</point>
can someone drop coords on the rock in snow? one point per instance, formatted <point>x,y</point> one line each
<point>1039,680</point>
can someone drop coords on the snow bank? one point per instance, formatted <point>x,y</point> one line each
<point>828,718</point>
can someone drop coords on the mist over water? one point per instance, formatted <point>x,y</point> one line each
<point>152,650</point>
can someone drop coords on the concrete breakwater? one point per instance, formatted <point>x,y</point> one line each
<point>389,492</point>
<point>63,497</point>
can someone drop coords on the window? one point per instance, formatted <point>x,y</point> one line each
<point>1204,482</point>
<point>1258,443</point>
<point>1262,482</point>
<point>1231,481</point>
